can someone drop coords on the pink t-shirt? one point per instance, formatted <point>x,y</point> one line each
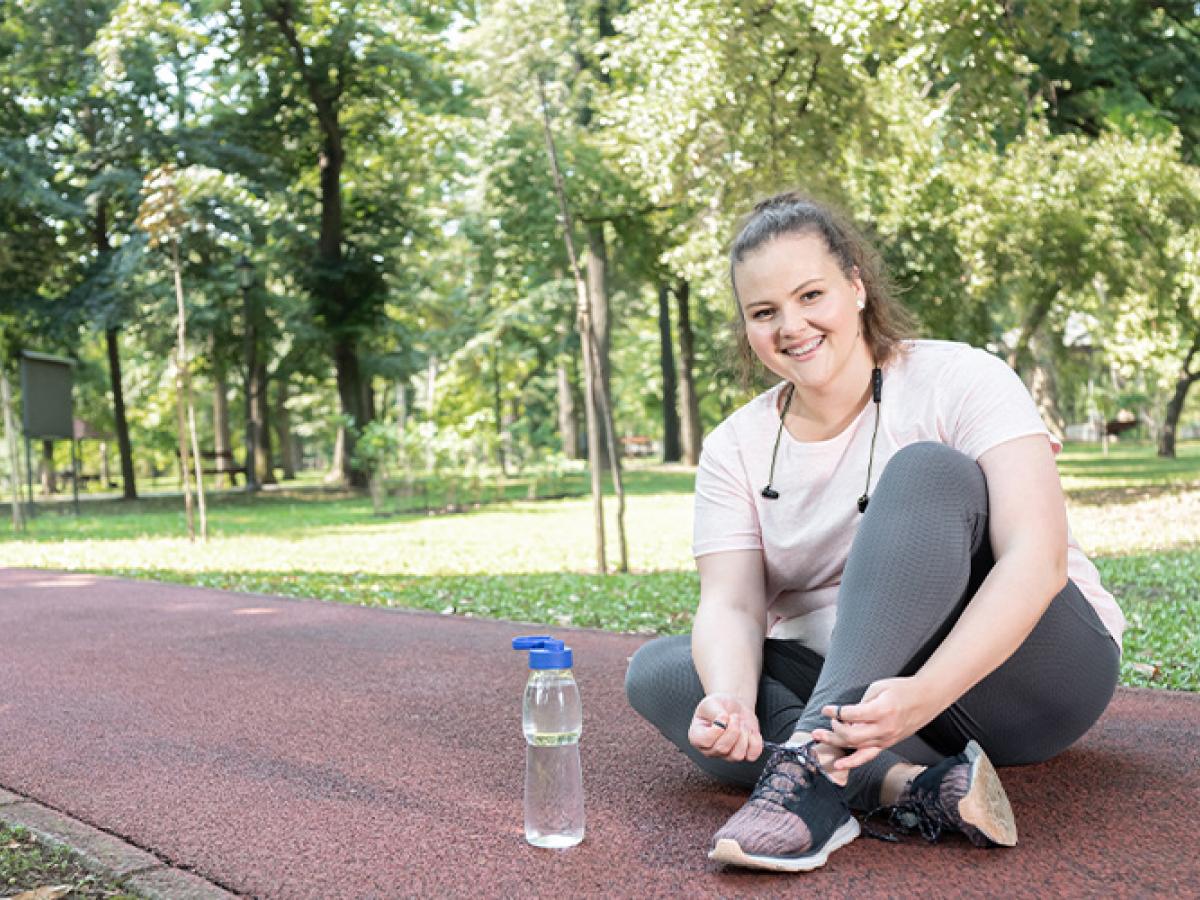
<point>936,391</point>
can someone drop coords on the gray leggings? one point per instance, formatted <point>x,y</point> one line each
<point>920,554</point>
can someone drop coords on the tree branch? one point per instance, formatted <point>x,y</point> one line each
<point>283,15</point>
<point>812,81</point>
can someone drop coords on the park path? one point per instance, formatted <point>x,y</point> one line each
<point>284,748</point>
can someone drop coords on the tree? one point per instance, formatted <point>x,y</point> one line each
<point>81,147</point>
<point>1126,68</point>
<point>360,71</point>
<point>599,421</point>
<point>163,218</point>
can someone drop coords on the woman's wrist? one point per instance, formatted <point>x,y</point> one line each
<point>936,693</point>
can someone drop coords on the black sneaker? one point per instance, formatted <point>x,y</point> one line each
<point>961,793</point>
<point>794,819</point>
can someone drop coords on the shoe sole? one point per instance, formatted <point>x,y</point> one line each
<point>728,851</point>
<point>985,806</point>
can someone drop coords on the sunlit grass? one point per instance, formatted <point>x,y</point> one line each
<point>1086,467</point>
<point>1138,516</point>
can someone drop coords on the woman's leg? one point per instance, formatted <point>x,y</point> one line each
<point>662,685</point>
<point>1045,696</point>
<point>919,556</point>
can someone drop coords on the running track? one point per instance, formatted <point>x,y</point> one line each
<point>283,748</point>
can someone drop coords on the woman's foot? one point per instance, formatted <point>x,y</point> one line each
<point>961,793</point>
<point>794,818</point>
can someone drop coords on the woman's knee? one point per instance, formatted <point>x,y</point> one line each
<point>929,472</point>
<point>658,672</point>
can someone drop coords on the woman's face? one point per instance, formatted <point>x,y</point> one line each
<point>801,311</point>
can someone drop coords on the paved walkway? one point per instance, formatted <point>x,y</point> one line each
<point>281,748</point>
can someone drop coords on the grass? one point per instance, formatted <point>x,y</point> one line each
<point>1136,515</point>
<point>1086,467</point>
<point>27,863</point>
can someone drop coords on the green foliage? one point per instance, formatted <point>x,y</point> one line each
<point>1029,172</point>
<point>377,445</point>
<point>1125,69</point>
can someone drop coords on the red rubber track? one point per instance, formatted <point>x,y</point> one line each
<point>285,748</point>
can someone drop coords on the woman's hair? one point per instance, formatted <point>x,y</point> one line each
<point>885,322</point>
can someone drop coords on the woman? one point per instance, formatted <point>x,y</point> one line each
<point>889,594</point>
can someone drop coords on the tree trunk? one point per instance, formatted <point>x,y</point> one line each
<point>596,267</point>
<point>46,473</point>
<point>1043,387</point>
<point>350,392</point>
<point>324,89</point>
<point>1020,357</point>
<point>124,447</point>
<point>689,403</point>
<point>1184,381</point>
<point>283,425</point>
<point>369,400</point>
<point>337,468</point>
<point>14,463</point>
<point>129,485</point>
<point>670,414</point>
<point>186,412</point>
<point>222,442</point>
<point>402,427</point>
<point>568,416</point>
<point>254,425</point>
<point>431,376</point>
<point>105,475</point>
<point>588,345</point>
<point>262,415</point>
<point>498,407</point>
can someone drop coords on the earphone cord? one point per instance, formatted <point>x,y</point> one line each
<point>870,462</point>
<point>779,433</point>
<point>877,396</point>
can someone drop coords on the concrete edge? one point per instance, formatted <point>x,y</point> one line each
<point>107,854</point>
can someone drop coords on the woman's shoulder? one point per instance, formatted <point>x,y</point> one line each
<point>928,361</point>
<point>750,418</point>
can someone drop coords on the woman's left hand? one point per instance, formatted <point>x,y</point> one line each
<point>891,710</point>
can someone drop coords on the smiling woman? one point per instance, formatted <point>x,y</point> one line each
<point>880,652</point>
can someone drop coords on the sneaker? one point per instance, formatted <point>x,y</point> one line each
<point>794,819</point>
<point>961,793</point>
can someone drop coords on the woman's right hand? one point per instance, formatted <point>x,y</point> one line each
<point>739,740</point>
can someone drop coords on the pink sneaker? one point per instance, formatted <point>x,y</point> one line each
<point>961,793</point>
<point>794,819</point>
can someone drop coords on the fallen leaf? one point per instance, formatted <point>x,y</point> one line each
<point>45,893</point>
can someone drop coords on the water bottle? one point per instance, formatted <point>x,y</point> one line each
<point>552,718</point>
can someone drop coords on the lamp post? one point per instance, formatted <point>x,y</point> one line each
<point>245,273</point>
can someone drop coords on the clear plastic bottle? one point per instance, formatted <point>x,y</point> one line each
<point>552,718</point>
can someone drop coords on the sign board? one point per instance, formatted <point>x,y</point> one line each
<point>46,396</point>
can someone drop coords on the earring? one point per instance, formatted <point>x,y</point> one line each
<point>862,304</point>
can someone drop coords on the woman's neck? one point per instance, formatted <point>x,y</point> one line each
<point>821,413</point>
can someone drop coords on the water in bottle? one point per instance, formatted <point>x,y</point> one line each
<point>552,719</point>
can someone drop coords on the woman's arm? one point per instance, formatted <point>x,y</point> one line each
<point>727,640</point>
<point>1027,523</point>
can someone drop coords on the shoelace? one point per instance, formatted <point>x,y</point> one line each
<point>793,781</point>
<point>921,812</point>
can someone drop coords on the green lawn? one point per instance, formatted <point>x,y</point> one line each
<point>1137,515</point>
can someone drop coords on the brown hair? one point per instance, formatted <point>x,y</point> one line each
<point>885,322</point>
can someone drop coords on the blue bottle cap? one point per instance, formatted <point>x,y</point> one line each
<point>545,652</point>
